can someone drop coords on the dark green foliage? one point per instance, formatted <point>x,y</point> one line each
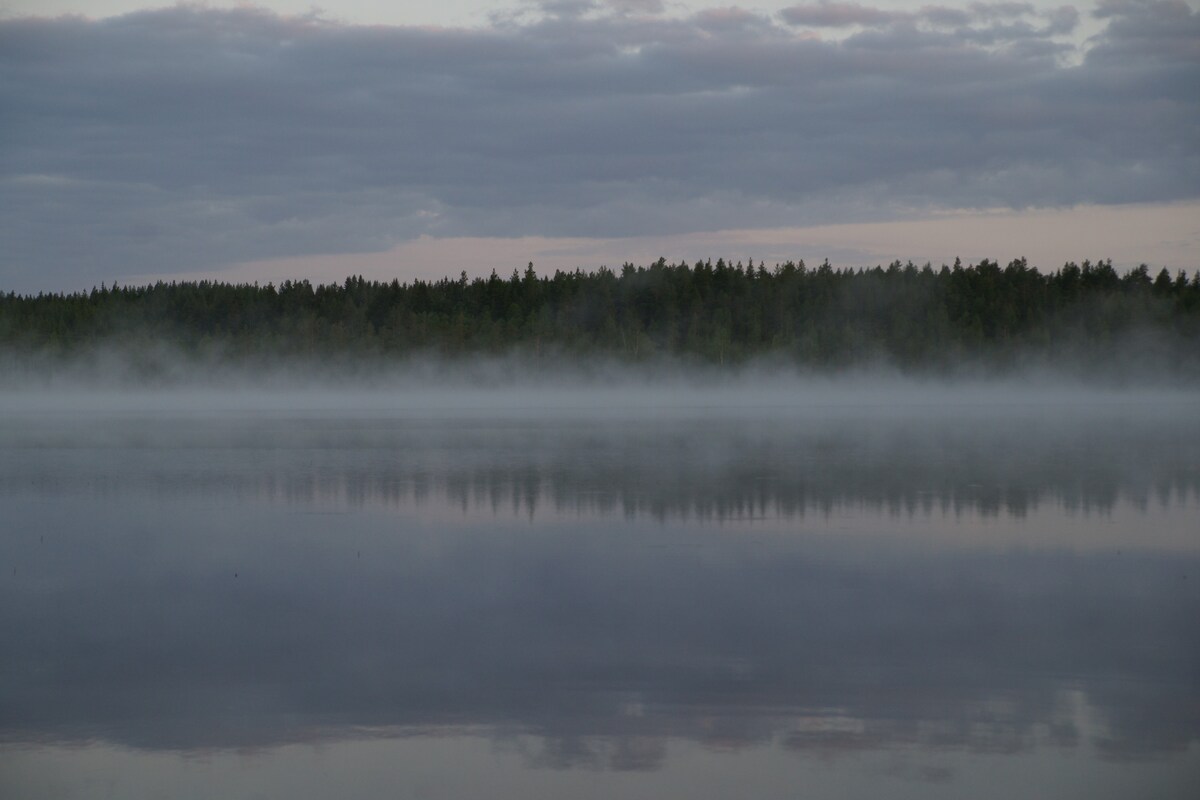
<point>915,317</point>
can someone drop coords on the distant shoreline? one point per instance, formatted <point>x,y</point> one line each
<point>1085,319</point>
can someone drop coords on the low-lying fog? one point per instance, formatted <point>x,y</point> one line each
<point>513,387</point>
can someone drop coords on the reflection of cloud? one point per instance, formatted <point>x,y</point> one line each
<point>622,752</point>
<point>926,773</point>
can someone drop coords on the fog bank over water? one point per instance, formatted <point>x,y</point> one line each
<point>526,387</point>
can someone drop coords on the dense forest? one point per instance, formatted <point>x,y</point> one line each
<point>918,318</point>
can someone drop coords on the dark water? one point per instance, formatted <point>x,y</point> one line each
<point>962,601</point>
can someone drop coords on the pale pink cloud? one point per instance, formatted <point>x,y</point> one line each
<point>838,15</point>
<point>1159,235</point>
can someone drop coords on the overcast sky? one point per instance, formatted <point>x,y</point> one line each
<point>397,139</point>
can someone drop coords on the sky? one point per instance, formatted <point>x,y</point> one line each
<point>262,142</point>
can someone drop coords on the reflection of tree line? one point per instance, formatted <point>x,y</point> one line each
<point>526,492</point>
<point>674,493</point>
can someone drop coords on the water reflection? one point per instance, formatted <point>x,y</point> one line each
<point>197,586</point>
<point>708,469</point>
<point>233,628</point>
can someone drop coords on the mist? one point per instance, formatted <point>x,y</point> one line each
<point>163,378</point>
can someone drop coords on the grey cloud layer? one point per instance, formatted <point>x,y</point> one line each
<point>987,21</point>
<point>183,138</point>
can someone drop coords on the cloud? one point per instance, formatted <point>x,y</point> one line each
<point>637,6</point>
<point>838,15</point>
<point>991,20</point>
<point>1153,31</point>
<point>188,138</point>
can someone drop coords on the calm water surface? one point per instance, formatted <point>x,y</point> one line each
<point>966,601</point>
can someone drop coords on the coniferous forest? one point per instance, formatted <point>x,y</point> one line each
<point>916,318</point>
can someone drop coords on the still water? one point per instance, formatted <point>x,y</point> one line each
<point>295,600</point>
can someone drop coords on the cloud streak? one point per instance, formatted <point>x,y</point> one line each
<point>189,138</point>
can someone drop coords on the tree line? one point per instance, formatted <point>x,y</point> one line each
<point>723,313</point>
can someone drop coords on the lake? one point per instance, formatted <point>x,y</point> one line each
<point>540,594</point>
